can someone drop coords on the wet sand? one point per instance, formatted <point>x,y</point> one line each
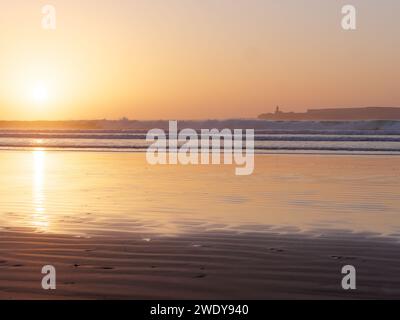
<point>200,266</point>
<point>117,228</point>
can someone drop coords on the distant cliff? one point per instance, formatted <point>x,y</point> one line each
<point>367,113</point>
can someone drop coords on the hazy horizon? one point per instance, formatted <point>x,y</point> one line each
<point>194,60</point>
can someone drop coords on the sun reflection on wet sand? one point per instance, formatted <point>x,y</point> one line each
<point>40,219</point>
<point>90,194</point>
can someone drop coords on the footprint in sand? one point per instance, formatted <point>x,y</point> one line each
<point>276,250</point>
<point>341,257</point>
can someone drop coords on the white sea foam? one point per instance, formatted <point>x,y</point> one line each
<point>270,136</point>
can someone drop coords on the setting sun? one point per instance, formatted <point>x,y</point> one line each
<point>40,94</point>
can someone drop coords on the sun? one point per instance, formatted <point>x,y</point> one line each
<point>40,94</point>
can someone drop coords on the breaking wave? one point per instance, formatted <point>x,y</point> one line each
<point>270,136</point>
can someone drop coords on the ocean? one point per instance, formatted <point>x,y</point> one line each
<point>266,140</point>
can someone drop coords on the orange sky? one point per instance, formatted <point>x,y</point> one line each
<point>181,59</point>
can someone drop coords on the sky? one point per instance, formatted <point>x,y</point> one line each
<point>187,59</point>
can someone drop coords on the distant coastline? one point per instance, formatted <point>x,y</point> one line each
<point>351,114</point>
<point>353,119</point>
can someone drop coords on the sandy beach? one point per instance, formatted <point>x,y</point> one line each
<point>200,266</point>
<point>116,228</point>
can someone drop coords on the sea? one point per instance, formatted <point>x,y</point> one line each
<point>354,137</point>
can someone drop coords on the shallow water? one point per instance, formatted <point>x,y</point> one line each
<point>89,194</point>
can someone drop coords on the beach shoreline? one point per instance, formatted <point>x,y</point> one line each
<point>115,227</point>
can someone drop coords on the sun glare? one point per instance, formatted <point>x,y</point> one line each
<point>40,94</point>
